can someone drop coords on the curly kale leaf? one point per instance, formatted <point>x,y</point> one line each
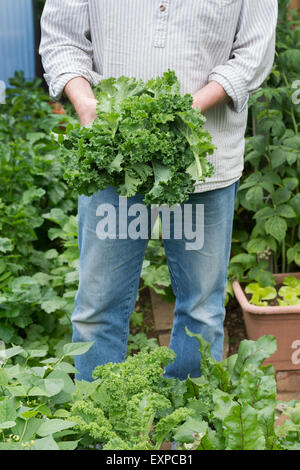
<point>146,139</point>
<point>131,405</point>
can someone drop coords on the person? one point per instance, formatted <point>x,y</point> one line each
<point>221,51</point>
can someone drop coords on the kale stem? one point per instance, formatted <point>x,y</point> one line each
<point>199,168</point>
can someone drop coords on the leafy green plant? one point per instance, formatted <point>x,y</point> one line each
<point>130,406</point>
<point>290,291</point>
<point>270,186</point>
<point>234,402</point>
<point>155,273</point>
<point>260,294</point>
<point>146,138</point>
<point>137,320</point>
<point>31,187</point>
<point>35,399</point>
<point>47,295</point>
<point>288,435</point>
<point>156,277</point>
<point>140,342</point>
<point>247,267</point>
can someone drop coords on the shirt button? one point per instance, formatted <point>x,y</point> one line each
<point>162,8</point>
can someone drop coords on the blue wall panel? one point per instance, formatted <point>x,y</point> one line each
<point>16,38</point>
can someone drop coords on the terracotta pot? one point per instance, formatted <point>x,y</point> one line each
<point>281,322</point>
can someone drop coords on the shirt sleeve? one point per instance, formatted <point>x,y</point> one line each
<point>65,47</point>
<point>252,53</point>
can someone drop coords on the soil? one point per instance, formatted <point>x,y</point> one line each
<point>235,325</point>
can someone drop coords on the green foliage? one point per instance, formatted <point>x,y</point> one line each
<point>155,273</point>
<point>288,293</point>
<point>156,277</point>
<point>260,294</point>
<point>140,342</point>
<point>35,399</point>
<point>130,406</point>
<point>35,275</point>
<point>269,189</point>
<point>288,434</point>
<point>233,402</point>
<point>146,139</point>
<point>137,320</point>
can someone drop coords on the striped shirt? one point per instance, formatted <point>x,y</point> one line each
<point>231,42</point>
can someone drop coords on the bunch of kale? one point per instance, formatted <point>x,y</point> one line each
<point>146,139</point>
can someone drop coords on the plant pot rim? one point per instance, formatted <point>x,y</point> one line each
<point>260,310</point>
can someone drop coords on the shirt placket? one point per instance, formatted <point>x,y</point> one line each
<point>161,24</point>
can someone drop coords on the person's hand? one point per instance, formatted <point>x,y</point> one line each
<point>81,95</point>
<point>209,96</point>
<point>197,103</point>
<point>87,111</point>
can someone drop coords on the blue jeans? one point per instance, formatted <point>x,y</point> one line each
<point>109,277</point>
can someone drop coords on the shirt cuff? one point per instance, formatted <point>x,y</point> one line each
<point>57,84</point>
<point>234,86</point>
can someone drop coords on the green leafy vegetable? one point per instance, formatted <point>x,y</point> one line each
<point>234,402</point>
<point>130,406</point>
<point>146,138</point>
<point>260,294</point>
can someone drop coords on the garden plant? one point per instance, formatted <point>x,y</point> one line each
<point>132,406</point>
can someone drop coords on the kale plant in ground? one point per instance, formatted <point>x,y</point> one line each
<point>146,139</point>
<point>131,406</point>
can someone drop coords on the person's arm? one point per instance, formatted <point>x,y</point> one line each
<point>209,96</point>
<point>67,51</point>
<point>251,58</point>
<point>81,95</point>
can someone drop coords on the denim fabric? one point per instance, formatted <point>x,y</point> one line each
<point>109,279</point>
